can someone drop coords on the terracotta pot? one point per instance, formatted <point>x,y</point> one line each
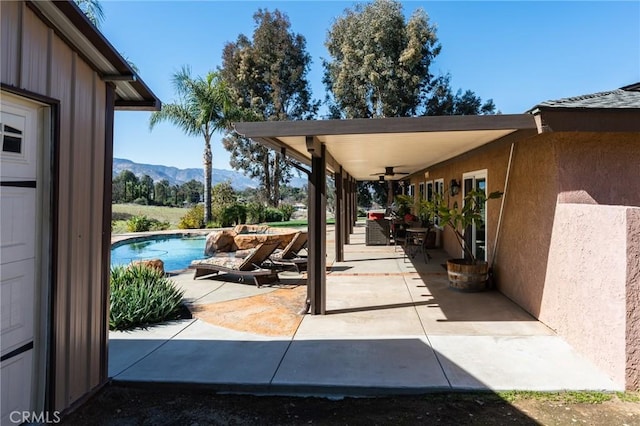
<point>467,276</point>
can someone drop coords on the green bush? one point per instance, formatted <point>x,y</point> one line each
<point>144,223</point>
<point>141,296</point>
<point>231,214</point>
<point>287,210</point>
<point>141,201</point>
<point>272,214</point>
<point>139,224</point>
<point>194,219</point>
<point>156,225</point>
<point>255,213</point>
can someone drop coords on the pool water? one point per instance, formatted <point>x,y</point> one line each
<point>176,252</point>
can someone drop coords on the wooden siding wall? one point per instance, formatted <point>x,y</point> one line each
<point>35,59</point>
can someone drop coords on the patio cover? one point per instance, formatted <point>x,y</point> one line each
<point>360,149</point>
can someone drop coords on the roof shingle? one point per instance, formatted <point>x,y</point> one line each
<point>626,97</point>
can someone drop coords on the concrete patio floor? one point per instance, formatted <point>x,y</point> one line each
<point>392,327</point>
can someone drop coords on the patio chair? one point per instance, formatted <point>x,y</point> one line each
<point>250,266</point>
<point>290,255</point>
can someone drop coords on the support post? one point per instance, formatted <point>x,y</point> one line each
<point>316,271</point>
<point>353,213</point>
<point>340,216</point>
<point>347,207</point>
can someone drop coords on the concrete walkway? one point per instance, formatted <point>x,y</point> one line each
<point>393,327</point>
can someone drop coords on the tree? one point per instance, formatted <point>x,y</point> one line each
<point>380,63</point>
<point>442,101</point>
<point>125,187</point>
<point>192,191</point>
<point>92,10</point>
<point>223,194</point>
<point>146,188</point>
<point>204,107</point>
<point>267,79</point>
<point>162,192</point>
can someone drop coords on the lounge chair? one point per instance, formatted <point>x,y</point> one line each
<point>250,266</point>
<point>290,255</point>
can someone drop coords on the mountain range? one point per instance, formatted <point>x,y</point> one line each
<point>177,176</point>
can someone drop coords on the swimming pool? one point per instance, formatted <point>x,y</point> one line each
<point>175,251</point>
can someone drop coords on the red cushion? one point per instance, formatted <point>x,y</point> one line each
<point>374,216</point>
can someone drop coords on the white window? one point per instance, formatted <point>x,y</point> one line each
<point>476,235</point>
<point>429,193</point>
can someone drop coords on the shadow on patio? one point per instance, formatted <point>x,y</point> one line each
<point>392,327</point>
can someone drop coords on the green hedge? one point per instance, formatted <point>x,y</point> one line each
<point>141,296</point>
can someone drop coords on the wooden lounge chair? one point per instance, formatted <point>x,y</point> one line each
<point>250,266</point>
<point>290,255</point>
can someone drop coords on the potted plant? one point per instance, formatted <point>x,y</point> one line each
<point>469,273</point>
<point>403,205</point>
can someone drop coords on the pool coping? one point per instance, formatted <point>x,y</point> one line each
<point>133,237</point>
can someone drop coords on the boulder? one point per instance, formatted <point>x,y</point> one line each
<point>150,263</point>
<point>250,229</point>
<point>220,241</point>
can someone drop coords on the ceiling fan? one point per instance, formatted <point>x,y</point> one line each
<point>388,173</point>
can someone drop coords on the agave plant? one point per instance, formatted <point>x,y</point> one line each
<point>141,296</point>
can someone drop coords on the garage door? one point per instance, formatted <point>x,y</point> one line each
<point>18,171</point>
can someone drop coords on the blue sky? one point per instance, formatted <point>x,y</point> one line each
<point>517,53</point>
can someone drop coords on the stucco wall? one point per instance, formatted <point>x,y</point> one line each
<point>494,158</point>
<point>633,301</point>
<point>598,168</point>
<point>568,250</point>
<point>523,244</point>
<point>584,296</point>
<point>539,241</point>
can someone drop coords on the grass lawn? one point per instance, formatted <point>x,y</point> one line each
<point>123,212</point>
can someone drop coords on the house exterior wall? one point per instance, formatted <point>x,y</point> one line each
<point>584,297</point>
<point>495,159</point>
<point>568,247</point>
<point>35,59</point>
<point>571,259</point>
<point>632,299</point>
<point>562,247</point>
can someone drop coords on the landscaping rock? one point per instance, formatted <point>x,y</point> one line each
<point>220,241</point>
<point>150,263</point>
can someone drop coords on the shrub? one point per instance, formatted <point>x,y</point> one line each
<point>255,213</point>
<point>156,225</point>
<point>194,219</point>
<point>144,223</point>
<point>141,201</point>
<point>139,224</point>
<point>141,296</point>
<point>287,210</point>
<point>272,214</point>
<point>231,214</point>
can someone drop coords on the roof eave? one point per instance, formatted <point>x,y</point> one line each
<point>365,126</point>
<point>73,26</point>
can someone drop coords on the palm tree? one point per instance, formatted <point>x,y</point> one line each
<point>204,107</point>
<point>93,10</point>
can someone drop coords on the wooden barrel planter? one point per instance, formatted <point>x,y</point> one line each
<point>466,276</point>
